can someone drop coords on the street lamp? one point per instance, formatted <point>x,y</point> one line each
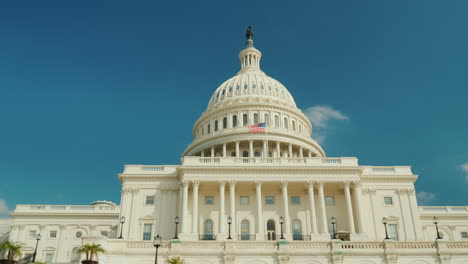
<point>157,244</point>
<point>176,221</point>
<point>435,220</point>
<point>38,237</point>
<point>229,225</point>
<point>281,220</point>
<point>122,221</point>
<point>385,222</point>
<point>333,223</point>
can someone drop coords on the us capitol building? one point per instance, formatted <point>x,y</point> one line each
<point>253,198</point>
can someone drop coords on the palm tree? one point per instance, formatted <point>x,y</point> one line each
<point>13,249</point>
<point>91,250</point>
<point>175,260</point>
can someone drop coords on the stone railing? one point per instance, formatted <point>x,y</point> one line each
<point>149,169</point>
<point>386,170</point>
<point>260,161</point>
<point>436,210</point>
<point>25,208</point>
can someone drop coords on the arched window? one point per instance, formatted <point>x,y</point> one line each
<point>75,255</point>
<point>266,119</point>
<point>245,154</point>
<point>208,128</point>
<point>285,123</point>
<point>271,230</point>
<point>234,121</point>
<point>208,230</point>
<point>244,119</point>
<point>297,230</point>
<point>294,125</point>
<point>255,119</point>
<point>225,123</point>
<point>257,153</point>
<point>276,121</point>
<point>245,230</point>
<point>216,125</point>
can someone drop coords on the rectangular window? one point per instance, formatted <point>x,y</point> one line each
<point>147,230</point>
<point>209,200</point>
<point>104,233</point>
<point>244,119</point>
<point>329,200</point>
<point>208,128</point>
<point>393,231</point>
<point>224,123</point>
<point>53,234</point>
<point>269,200</point>
<point>244,200</point>
<point>49,257</point>
<point>32,234</point>
<point>149,199</point>
<point>388,200</point>
<point>464,234</point>
<point>295,200</point>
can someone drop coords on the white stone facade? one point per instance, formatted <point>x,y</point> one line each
<point>255,179</point>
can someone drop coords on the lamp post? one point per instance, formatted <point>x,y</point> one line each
<point>435,220</point>
<point>38,237</point>
<point>229,227</point>
<point>333,223</point>
<point>385,222</point>
<point>122,221</point>
<point>281,220</point>
<point>157,244</point>
<point>176,221</point>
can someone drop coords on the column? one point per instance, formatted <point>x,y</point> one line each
<point>232,207</point>
<point>415,215</point>
<point>212,152</point>
<point>322,208</point>
<point>251,154</point>
<point>265,151</point>
<point>357,199</point>
<point>195,208</point>
<point>259,211</point>
<point>313,214</point>
<point>203,153</point>
<point>222,214</point>
<point>349,207</point>
<point>224,149</point>
<point>237,149</point>
<point>278,149</point>
<point>185,207</point>
<point>290,150</point>
<point>310,154</point>
<point>301,153</point>
<point>284,190</point>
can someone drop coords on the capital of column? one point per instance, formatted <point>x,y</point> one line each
<point>232,183</point>
<point>284,184</point>
<point>346,184</point>
<point>310,184</point>
<point>222,183</point>
<point>320,184</point>
<point>195,184</point>
<point>185,183</point>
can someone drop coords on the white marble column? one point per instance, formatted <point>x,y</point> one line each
<point>313,213</point>
<point>301,152</point>
<point>185,207</point>
<point>290,150</point>
<point>278,150</point>
<point>237,149</point>
<point>195,186</point>
<point>224,149</point>
<point>212,151</point>
<point>232,207</point>
<point>357,199</point>
<point>349,207</point>
<point>222,212</point>
<point>322,208</point>
<point>265,151</point>
<point>260,232</point>
<point>251,150</point>
<point>310,154</point>
<point>203,153</point>
<point>287,221</point>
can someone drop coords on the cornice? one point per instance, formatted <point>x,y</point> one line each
<point>66,214</point>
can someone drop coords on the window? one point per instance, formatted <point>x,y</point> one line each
<point>32,234</point>
<point>230,89</point>
<point>104,233</point>
<point>75,255</point>
<point>209,200</point>
<point>266,119</point>
<point>269,200</point>
<point>245,154</point>
<point>464,234</point>
<point>208,128</point>
<point>244,119</point>
<point>294,125</point>
<point>147,230</point>
<point>285,123</point>
<point>216,125</point>
<point>297,230</point>
<point>244,200</point>
<point>234,121</point>
<point>393,231</point>
<point>208,230</point>
<point>257,154</point>
<point>224,123</point>
<point>295,200</point>
<point>149,199</point>
<point>78,234</point>
<point>329,200</point>
<point>245,86</point>
<point>255,118</point>
<point>388,200</point>
<point>245,230</point>
<point>276,121</point>
<point>271,230</point>
<point>53,234</point>
<point>49,257</point>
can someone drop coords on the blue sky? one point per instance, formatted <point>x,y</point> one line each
<point>88,86</point>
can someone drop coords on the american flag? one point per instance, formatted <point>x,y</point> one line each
<point>258,128</point>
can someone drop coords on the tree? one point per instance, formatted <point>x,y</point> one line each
<point>175,260</point>
<point>13,249</point>
<point>91,250</point>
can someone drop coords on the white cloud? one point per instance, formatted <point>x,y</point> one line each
<point>3,208</point>
<point>320,116</point>
<point>424,198</point>
<point>464,168</point>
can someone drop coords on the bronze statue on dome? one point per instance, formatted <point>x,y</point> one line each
<point>249,34</point>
